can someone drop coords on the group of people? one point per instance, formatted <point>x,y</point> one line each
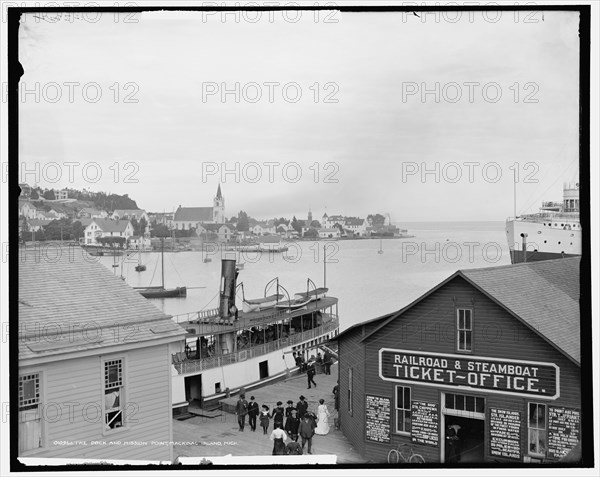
<point>321,363</point>
<point>292,422</point>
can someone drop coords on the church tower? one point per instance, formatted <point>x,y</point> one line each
<point>219,207</point>
<point>309,217</point>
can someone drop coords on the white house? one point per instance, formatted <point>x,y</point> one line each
<point>225,232</point>
<point>28,210</point>
<point>331,220</point>
<point>332,233</point>
<point>139,242</point>
<point>263,228</point>
<point>129,214</point>
<point>357,226</point>
<point>91,213</point>
<point>107,228</point>
<point>61,194</point>
<point>100,373</point>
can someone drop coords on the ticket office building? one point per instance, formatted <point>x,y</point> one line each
<point>493,354</point>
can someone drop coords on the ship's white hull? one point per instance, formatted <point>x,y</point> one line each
<point>211,384</point>
<point>543,242</point>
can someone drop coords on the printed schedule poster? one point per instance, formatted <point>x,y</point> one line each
<point>378,419</point>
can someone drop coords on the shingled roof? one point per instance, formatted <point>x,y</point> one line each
<point>194,214</point>
<point>108,225</point>
<point>73,303</point>
<point>544,295</point>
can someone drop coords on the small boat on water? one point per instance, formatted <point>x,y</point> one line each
<point>312,295</point>
<point>161,291</point>
<point>260,304</point>
<point>140,267</point>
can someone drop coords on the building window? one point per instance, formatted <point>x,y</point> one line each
<point>403,406</point>
<point>537,429</point>
<point>113,394</point>
<point>464,329</point>
<point>30,422</point>
<point>461,402</point>
<point>350,389</point>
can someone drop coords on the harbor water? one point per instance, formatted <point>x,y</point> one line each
<point>371,277</point>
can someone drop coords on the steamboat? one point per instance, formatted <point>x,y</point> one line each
<point>554,232</point>
<point>248,344</point>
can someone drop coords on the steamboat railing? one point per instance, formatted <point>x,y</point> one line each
<point>188,366</point>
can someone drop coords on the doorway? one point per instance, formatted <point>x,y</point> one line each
<point>193,389</point>
<point>263,369</point>
<point>464,440</point>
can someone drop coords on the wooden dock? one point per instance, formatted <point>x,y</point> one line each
<point>220,436</point>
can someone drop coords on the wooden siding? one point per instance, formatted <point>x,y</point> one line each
<point>430,327</point>
<point>78,385</point>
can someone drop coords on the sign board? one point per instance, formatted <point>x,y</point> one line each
<point>505,433</point>
<point>425,423</point>
<point>563,430</point>
<point>378,418</point>
<point>520,378</point>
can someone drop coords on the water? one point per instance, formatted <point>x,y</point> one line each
<point>368,284</point>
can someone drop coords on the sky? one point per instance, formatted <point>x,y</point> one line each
<point>330,113</point>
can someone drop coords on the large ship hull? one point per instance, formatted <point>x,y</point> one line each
<point>543,240</point>
<point>516,256</point>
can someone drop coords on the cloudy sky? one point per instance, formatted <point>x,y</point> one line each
<point>330,115</point>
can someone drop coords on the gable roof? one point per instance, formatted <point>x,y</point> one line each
<point>542,295</point>
<point>108,225</point>
<point>194,214</point>
<point>354,221</point>
<point>66,296</point>
<point>136,212</point>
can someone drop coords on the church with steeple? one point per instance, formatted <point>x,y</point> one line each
<point>190,217</point>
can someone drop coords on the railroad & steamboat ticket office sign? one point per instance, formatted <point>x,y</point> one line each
<point>521,378</point>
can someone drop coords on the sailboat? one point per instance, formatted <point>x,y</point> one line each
<point>140,267</point>
<point>161,291</point>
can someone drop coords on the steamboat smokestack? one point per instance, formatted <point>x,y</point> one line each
<point>524,246</point>
<point>227,292</point>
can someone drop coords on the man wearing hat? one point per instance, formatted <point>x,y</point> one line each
<point>291,425</point>
<point>252,413</point>
<point>288,409</point>
<point>241,409</point>
<point>301,407</point>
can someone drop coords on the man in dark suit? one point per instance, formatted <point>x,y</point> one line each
<point>241,409</point>
<point>252,413</point>
<point>301,407</point>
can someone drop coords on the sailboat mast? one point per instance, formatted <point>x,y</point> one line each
<point>162,261</point>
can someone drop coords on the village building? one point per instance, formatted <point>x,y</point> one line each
<point>91,213</point>
<point>223,232</point>
<point>331,220</point>
<point>61,194</point>
<point>329,233</point>
<point>139,242</point>
<point>263,228</point>
<point>28,210</point>
<point>130,214</point>
<point>493,353</point>
<point>187,218</point>
<point>35,225</point>
<point>94,364</point>
<point>107,228</point>
<point>357,226</point>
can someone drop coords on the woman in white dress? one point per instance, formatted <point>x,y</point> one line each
<point>323,415</point>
